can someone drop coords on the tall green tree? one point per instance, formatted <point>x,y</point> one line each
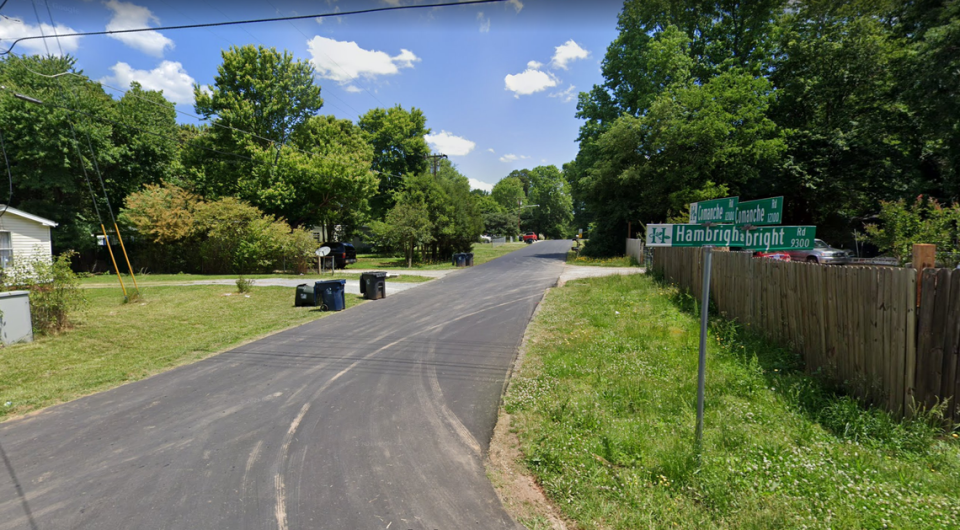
<point>399,149</point>
<point>257,90</point>
<point>852,141</point>
<point>508,193</point>
<point>554,211</point>
<point>78,128</point>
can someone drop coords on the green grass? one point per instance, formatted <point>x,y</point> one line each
<point>113,342</point>
<point>623,261</point>
<point>605,406</point>
<point>159,279</point>
<point>482,253</point>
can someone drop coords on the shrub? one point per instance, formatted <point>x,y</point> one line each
<point>54,290</point>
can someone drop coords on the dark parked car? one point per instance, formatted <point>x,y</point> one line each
<point>822,253</point>
<point>343,254</point>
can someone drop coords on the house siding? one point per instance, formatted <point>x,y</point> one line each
<point>29,239</point>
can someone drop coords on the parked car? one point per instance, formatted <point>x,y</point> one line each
<point>778,255</point>
<point>822,253</point>
<point>343,254</point>
<point>485,239</point>
<point>529,237</point>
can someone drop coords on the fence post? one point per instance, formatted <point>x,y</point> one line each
<point>924,257</point>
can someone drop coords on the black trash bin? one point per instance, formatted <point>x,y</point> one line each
<point>331,294</point>
<point>373,285</point>
<point>459,259</point>
<point>469,259</point>
<point>306,296</point>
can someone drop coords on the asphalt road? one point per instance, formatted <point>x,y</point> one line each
<point>376,417</point>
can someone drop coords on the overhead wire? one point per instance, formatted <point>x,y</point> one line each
<point>93,157</point>
<point>254,21</point>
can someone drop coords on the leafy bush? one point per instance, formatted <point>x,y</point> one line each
<point>54,290</point>
<point>925,221</point>
<point>223,236</point>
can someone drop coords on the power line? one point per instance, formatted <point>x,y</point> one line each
<point>255,21</point>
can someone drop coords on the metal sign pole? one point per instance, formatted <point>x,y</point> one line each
<point>702,371</point>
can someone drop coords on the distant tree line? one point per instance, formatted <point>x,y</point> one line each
<point>838,106</point>
<point>241,191</point>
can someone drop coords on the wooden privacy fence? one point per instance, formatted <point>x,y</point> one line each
<point>859,325</point>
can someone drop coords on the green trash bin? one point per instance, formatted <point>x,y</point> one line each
<point>306,296</point>
<point>373,285</point>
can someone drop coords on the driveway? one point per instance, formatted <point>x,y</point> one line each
<point>376,417</point>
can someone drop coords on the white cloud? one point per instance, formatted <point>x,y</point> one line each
<point>517,4</point>
<point>392,3</point>
<point>512,158</point>
<point>344,61</point>
<point>449,144</point>
<point>480,185</point>
<point>169,76</point>
<point>492,151</point>
<point>567,52</point>
<point>352,89</point>
<point>129,16</point>
<point>14,28</point>
<point>567,95</point>
<point>530,80</point>
<point>484,23</point>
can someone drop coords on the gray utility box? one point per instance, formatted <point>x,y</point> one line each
<point>15,324</point>
<point>373,285</point>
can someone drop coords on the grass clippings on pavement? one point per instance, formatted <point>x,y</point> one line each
<point>113,342</point>
<point>604,406</point>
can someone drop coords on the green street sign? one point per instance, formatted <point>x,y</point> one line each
<point>760,212</point>
<point>714,212</point>
<point>766,238</point>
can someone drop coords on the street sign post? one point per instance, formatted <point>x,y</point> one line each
<point>715,211</point>
<point>765,238</point>
<point>760,212</point>
<point>727,223</point>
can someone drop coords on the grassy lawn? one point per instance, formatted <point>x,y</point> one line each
<point>482,253</point>
<point>160,279</point>
<point>114,343</point>
<point>604,406</point>
<point>624,261</point>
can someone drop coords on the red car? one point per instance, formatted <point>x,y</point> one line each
<point>529,237</point>
<point>776,255</point>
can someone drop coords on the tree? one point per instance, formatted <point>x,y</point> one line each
<point>508,192</point>
<point>399,148</point>
<point>408,226</point>
<point>554,210</point>
<point>79,130</point>
<point>259,90</point>
<point>325,179</point>
<point>851,140</point>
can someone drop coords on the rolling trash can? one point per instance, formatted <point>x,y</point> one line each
<point>306,296</point>
<point>373,285</point>
<point>459,259</point>
<point>331,294</point>
<point>469,259</point>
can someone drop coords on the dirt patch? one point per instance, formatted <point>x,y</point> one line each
<point>519,493</point>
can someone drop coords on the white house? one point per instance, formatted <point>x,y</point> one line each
<point>23,235</point>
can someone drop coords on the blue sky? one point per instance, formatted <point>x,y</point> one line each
<point>497,82</point>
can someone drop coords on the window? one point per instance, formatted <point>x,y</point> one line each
<point>6,250</point>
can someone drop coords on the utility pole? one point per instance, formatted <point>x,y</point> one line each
<point>435,162</point>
